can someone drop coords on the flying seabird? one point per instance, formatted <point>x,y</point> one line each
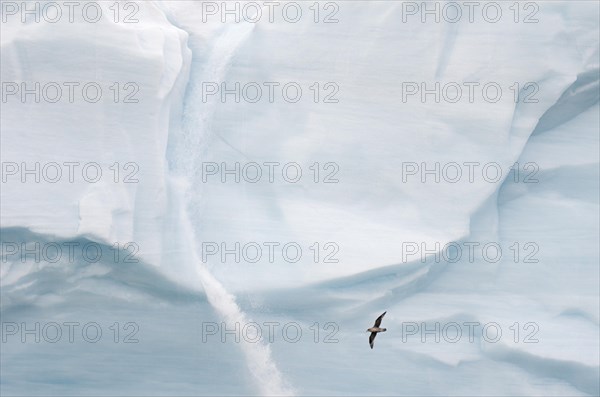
<point>375,329</point>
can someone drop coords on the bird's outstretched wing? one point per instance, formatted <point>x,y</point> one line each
<point>372,338</point>
<point>378,321</point>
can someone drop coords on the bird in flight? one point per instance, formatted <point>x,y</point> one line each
<point>375,329</point>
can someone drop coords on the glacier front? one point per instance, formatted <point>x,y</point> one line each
<point>219,198</point>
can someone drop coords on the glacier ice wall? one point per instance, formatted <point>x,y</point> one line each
<point>116,137</point>
<point>370,134</point>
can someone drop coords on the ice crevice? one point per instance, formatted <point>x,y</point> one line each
<point>189,149</point>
